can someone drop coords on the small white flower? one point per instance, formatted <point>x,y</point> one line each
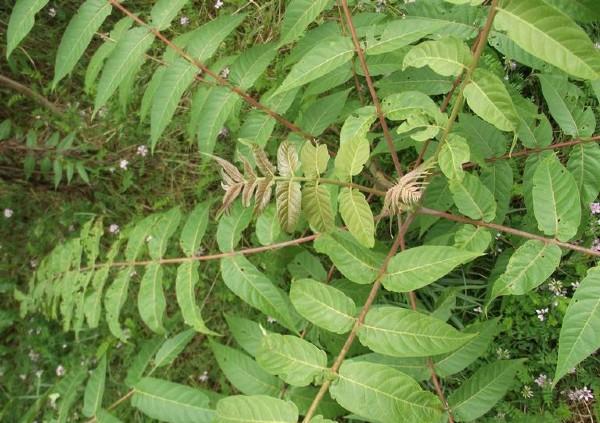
<point>184,20</point>
<point>8,213</point>
<point>224,132</point>
<point>556,287</point>
<point>506,77</point>
<point>583,394</point>
<point>64,346</point>
<point>200,251</point>
<point>38,374</point>
<point>149,238</point>
<point>142,150</point>
<point>527,392</point>
<point>123,164</point>
<point>52,12</point>
<point>33,263</point>
<point>502,354</point>
<point>575,285</point>
<point>572,371</point>
<point>23,376</point>
<point>53,398</point>
<point>218,4</point>
<point>512,65</point>
<point>33,356</point>
<point>271,319</point>
<point>114,228</point>
<point>541,380</point>
<point>225,72</point>
<point>203,377</point>
<point>478,309</point>
<point>60,370</point>
<point>541,313</point>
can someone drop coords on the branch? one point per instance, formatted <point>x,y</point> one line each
<point>376,103</point>
<point>220,80</point>
<point>509,230</point>
<point>16,86</point>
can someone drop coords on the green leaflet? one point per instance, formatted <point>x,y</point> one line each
<point>498,178</point>
<point>424,80</point>
<point>463,357</point>
<point>484,139</point>
<point>320,60</point>
<point>268,230</point>
<point>151,298</point>
<point>314,159</point>
<point>296,361</point>
<point>307,265</point>
<point>164,11</point>
<point>171,402</point>
<point>256,409</point>
<point>580,331</point>
<point>584,165</point>
<point>162,231</point>
<point>251,64</point>
<point>172,347</point>
<point>94,389</point>
<point>323,305</point>
<point>93,301</point>
<point>298,15</point>
<point>354,261</point>
<point>77,36</point>
<point>354,145</point>
<point>103,416</point>
<point>556,202</point>
<point>472,238</point>
<point>127,54</point>
<point>68,389</point>
<point>399,33</point>
<point>252,286</point>
<point>185,288</point>
<point>244,373</point>
<point>472,198</point>
<point>486,95</point>
<point>453,154</point>
<point>219,105</point>
<point>415,367</point>
<point>530,265</point>
<point>316,205</point>
<point>405,333</point>
<point>383,394</point>
<point>357,216</point>
<point>322,113</point>
<point>194,229</point>
<point>138,237</point>
<point>288,196</point>
<point>562,98</point>
<point>447,57</point>
<point>246,332</point>
<point>114,299</point>
<point>550,35</point>
<point>478,394</point>
<point>21,21</point>
<point>231,226</point>
<point>142,359</point>
<point>419,266</point>
<point>461,22</point>
<point>579,10</point>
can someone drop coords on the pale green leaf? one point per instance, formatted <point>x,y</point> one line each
<point>498,178</point>
<point>251,64</point>
<point>307,265</point>
<point>298,15</point>
<point>94,389</point>
<point>584,165</point>
<point>151,298</point>
<point>194,229</point>
<point>296,361</point>
<point>323,58</point>
<point>127,55</point>
<point>314,159</point>
<point>103,416</point>
<point>80,31</point>
<point>252,286</point>
<point>185,288</point>
<point>219,105</point>
<point>288,197</point>
<point>323,305</point>
<point>447,57</point>
<point>162,231</point>
<point>412,79</point>
<point>231,226</point>
<point>21,21</point>
<point>244,373</point>
<point>355,262</point>
<point>354,145</point>
<point>357,216</point>
<point>417,267</point>
<point>530,265</point>
<point>322,113</point>
<point>473,238</point>
<point>550,35</point>
<point>171,402</point>
<point>138,237</point>
<point>486,95</point>
<point>172,347</point>
<point>383,394</point>
<point>268,230</point>
<point>478,394</point>
<point>453,154</point>
<point>556,202</point>
<point>114,300</point>
<point>316,205</point>
<point>405,333</point>
<point>399,33</point>
<point>463,357</point>
<point>580,331</point>
<point>415,367</point>
<point>246,332</point>
<point>255,409</point>
<point>472,198</point>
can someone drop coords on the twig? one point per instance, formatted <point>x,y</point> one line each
<point>374,97</point>
<point>220,80</point>
<point>17,86</point>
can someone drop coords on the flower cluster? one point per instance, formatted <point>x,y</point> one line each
<point>8,213</point>
<point>595,208</point>
<point>556,287</point>
<point>541,313</point>
<point>596,245</point>
<point>542,380</point>
<point>114,228</point>
<point>583,394</point>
